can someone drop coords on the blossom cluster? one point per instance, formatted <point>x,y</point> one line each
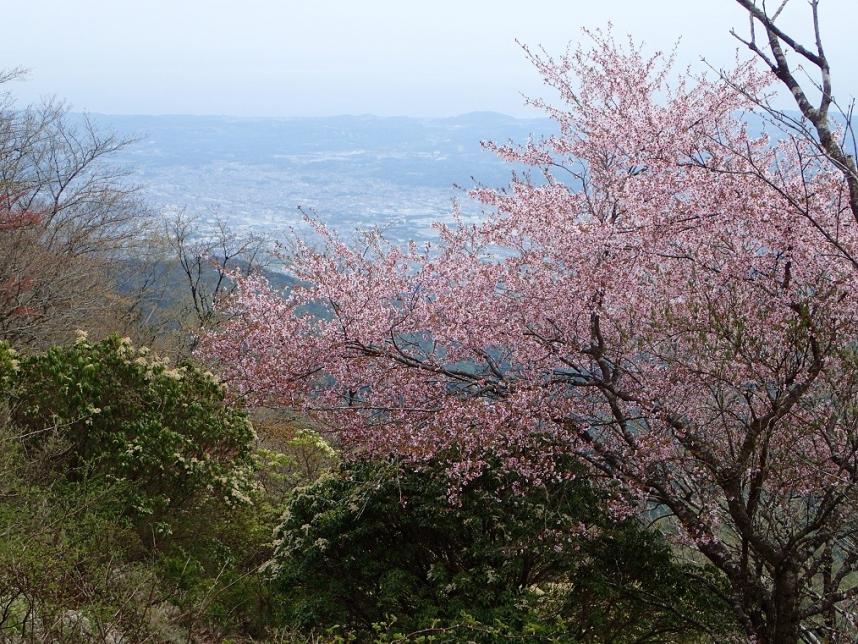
<point>666,294</point>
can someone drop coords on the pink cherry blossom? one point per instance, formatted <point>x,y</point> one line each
<point>667,295</point>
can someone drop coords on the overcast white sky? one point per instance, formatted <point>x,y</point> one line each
<point>325,57</point>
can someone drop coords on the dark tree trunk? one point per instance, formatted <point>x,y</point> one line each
<point>781,624</point>
<point>785,626</point>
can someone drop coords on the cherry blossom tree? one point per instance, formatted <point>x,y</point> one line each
<point>666,294</point>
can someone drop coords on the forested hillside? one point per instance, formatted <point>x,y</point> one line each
<point>612,400</point>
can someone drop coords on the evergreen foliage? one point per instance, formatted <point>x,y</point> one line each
<point>377,544</point>
<point>163,433</point>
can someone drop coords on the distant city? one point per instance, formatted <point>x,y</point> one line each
<point>396,173</point>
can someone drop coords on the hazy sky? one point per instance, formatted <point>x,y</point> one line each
<point>324,57</point>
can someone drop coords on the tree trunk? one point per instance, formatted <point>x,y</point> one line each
<point>783,621</point>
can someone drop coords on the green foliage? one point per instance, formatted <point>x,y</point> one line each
<point>69,571</point>
<point>296,455</point>
<point>104,526</point>
<point>9,366</point>
<point>380,549</point>
<point>133,504</point>
<point>127,416</point>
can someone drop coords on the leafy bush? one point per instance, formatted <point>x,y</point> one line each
<point>127,416</point>
<point>379,548</point>
<point>69,571</point>
<point>100,440</point>
<point>106,532</point>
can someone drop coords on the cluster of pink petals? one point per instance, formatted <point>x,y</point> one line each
<point>667,296</point>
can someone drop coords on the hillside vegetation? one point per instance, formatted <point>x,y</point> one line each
<point>616,407</point>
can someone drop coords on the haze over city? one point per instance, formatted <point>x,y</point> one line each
<point>331,57</point>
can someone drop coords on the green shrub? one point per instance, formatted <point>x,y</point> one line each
<point>379,549</point>
<point>129,501</point>
<point>133,503</point>
<point>128,417</point>
<point>69,571</point>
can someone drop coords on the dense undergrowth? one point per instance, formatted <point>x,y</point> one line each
<point>138,504</point>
